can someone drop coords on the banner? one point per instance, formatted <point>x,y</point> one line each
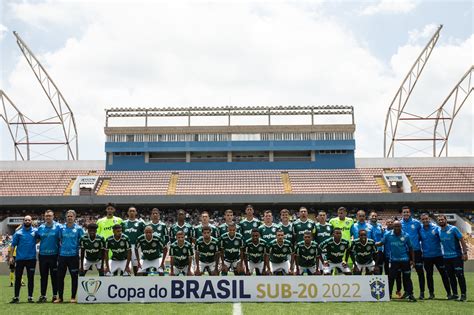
<point>233,289</point>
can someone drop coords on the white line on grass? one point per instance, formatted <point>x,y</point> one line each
<point>237,309</point>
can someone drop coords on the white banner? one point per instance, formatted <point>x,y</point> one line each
<point>233,289</point>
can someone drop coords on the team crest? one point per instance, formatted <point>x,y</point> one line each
<point>211,247</point>
<point>433,232</point>
<point>260,248</point>
<point>367,247</point>
<point>274,230</point>
<point>74,230</point>
<point>412,226</point>
<point>342,247</point>
<point>347,223</point>
<point>255,224</point>
<point>285,249</point>
<point>185,230</point>
<point>449,232</point>
<point>153,244</point>
<point>185,251</point>
<point>311,250</point>
<point>377,288</point>
<point>309,225</point>
<point>96,245</point>
<point>402,239</point>
<point>122,243</point>
<point>236,242</point>
<point>328,228</point>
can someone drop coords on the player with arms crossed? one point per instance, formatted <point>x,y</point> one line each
<point>153,250</point>
<point>207,253</point>
<point>307,255</point>
<point>181,253</point>
<point>105,224</point>
<point>133,228</point>
<point>280,258</point>
<point>232,251</point>
<point>254,258</point>
<point>333,251</point>
<point>363,253</point>
<point>92,251</point>
<point>119,245</point>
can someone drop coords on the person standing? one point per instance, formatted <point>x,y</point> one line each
<point>105,224</point>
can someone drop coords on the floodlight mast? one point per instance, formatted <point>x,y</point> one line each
<point>64,115</point>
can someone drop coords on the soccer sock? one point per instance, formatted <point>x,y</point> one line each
<point>12,276</point>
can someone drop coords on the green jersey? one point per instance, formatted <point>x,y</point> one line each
<point>363,253</point>
<point>181,254</point>
<point>197,230</point>
<point>151,249</point>
<point>306,255</point>
<point>255,252</point>
<point>300,227</point>
<point>223,228</point>
<point>207,251</point>
<point>186,228</point>
<point>247,226</point>
<point>279,252</point>
<point>104,226</point>
<point>334,252</point>
<point>231,246</point>
<point>323,232</point>
<point>160,230</point>
<point>94,249</point>
<point>288,230</point>
<point>119,248</point>
<point>133,229</point>
<point>268,232</point>
<point>345,226</point>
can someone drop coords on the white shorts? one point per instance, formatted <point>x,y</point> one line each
<point>284,266</point>
<point>253,266</point>
<point>117,265</point>
<point>312,269</point>
<point>133,260</point>
<point>327,270</point>
<point>368,267</point>
<point>155,263</point>
<point>183,270</point>
<point>203,265</point>
<point>88,265</point>
<point>231,265</point>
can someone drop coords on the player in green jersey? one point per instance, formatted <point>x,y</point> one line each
<point>307,255</point>
<point>249,223</point>
<point>106,223</point>
<point>254,254</point>
<point>181,225</point>
<point>302,225</point>
<point>323,230</point>
<point>286,225</point>
<point>92,251</point>
<point>280,258</point>
<point>153,251</point>
<point>343,223</point>
<point>159,227</point>
<point>204,222</point>
<point>333,252</point>
<point>181,253</point>
<point>232,251</point>
<point>133,228</point>
<point>363,253</point>
<point>119,245</point>
<point>207,253</point>
<point>268,228</point>
<point>229,218</point>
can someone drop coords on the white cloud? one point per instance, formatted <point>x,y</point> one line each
<point>3,30</point>
<point>390,7</point>
<point>425,34</point>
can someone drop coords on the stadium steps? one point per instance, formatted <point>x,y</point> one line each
<point>103,187</point>
<point>67,191</point>
<point>285,178</point>
<point>173,183</point>
<point>414,187</point>
<point>381,182</point>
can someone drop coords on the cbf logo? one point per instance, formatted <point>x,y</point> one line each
<point>377,288</point>
<point>91,286</point>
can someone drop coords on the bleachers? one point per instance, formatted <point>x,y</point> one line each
<point>441,179</point>
<point>137,183</point>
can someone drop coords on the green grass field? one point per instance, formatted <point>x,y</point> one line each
<point>438,306</point>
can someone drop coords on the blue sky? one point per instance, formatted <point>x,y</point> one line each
<point>129,53</point>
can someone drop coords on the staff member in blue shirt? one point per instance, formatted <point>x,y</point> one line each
<point>432,254</point>
<point>412,227</point>
<point>69,236</point>
<point>454,257</point>
<point>24,241</point>
<point>377,235</point>
<point>386,262</point>
<point>48,235</point>
<point>401,258</point>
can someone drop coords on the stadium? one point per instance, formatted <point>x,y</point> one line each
<point>307,161</point>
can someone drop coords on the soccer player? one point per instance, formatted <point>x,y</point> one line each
<point>229,219</point>
<point>454,256</point>
<point>181,253</point>
<point>323,230</point>
<point>386,253</point>
<point>204,222</point>
<point>402,258</point>
<point>92,251</point>
<point>133,228</point>
<point>377,235</point>
<point>302,225</point>
<point>207,253</point>
<point>69,235</point>
<point>343,223</point>
<point>154,252</point>
<point>181,225</point>
<point>432,254</point>
<point>249,223</point>
<point>119,245</point>
<point>268,228</point>
<point>307,255</point>
<point>333,252</point>
<point>361,224</point>
<point>254,254</point>
<point>232,251</point>
<point>286,225</point>
<point>48,235</point>
<point>412,227</point>
<point>280,258</point>
<point>105,224</point>
<point>159,227</point>
<point>24,242</point>
<point>363,253</point>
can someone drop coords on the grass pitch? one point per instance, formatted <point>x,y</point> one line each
<point>438,306</point>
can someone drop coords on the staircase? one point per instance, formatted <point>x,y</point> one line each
<point>103,187</point>
<point>381,182</point>
<point>414,188</point>
<point>173,183</point>
<point>285,178</point>
<point>67,191</point>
